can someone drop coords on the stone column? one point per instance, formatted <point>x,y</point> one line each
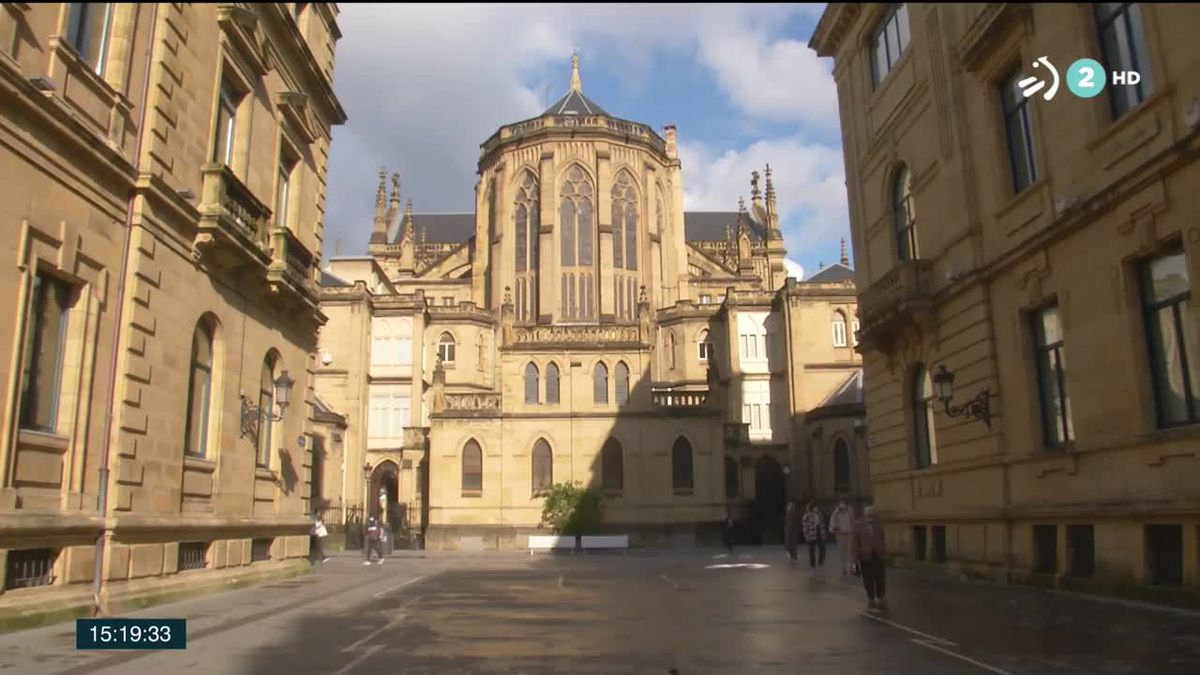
<point>548,267</point>
<point>603,260</point>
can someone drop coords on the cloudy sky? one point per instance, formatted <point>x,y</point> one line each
<point>424,85</point>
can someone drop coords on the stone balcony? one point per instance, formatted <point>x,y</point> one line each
<point>471,404</point>
<point>903,295</point>
<point>292,268</point>
<point>737,433</point>
<point>681,402</point>
<point>553,337</point>
<point>619,129</point>
<point>415,438</point>
<point>233,228</point>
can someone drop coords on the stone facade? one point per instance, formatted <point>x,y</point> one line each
<point>995,234</point>
<point>163,209</point>
<point>578,326</point>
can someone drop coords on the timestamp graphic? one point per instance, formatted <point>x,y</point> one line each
<point>131,634</point>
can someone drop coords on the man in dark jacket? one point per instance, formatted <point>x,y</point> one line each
<point>869,550</point>
<point>372,542</point>
<point>791,530</point>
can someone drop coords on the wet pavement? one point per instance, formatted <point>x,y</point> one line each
<point>687,612</point>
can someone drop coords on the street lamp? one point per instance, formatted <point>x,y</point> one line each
<point>978,408</point>
<point>252,414</point>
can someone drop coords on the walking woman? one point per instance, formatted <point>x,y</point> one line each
<point>791,530</point>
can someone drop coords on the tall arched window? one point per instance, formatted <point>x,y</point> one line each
<point>841,465</point>
<point>576,236</point>
<point>199,402</point>
<point>625,254</point>
<point>552,395</point>
<point>731,478</point>
<point>600,384</point>
<point>526,215</point>
<point>671,350</point>
<point>704,346</point>
<point>839,328</point>
<point>904,216</point>
<point>924,430</point>
<point>622,376</point>
<point>472,467</point>
<point>612,466</point>
<point>446,348</point>
<point>542,465</point>
<point>266,404</point>
<point>681,465</point>
<point>531,383</point>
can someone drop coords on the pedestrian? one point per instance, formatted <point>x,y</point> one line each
<point>727,531</point>
<point>374,531</point>
<point>814,533</point>
<point>319,532</point>
<point>791,530</point>
<point>841,524</point>
<point>868,550</point>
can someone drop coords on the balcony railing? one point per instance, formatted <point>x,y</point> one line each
<point>737,433</point>
<point>292,264</point>
<point>558,335</point>
<point>602,123</point>
<point>414,437</point>
<point>473,402</point>
<point>680,400</point>
<point>233,222</point>
<point>906,288</point>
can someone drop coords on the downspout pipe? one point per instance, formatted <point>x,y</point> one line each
<point>118,320</point>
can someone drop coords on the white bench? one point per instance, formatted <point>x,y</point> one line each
<point>594,542</point>
<point>547,542</point>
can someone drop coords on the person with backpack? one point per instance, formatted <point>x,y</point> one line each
<point>374,533</point>
<point>814,534</point>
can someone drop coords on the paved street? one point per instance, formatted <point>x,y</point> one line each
<point>645,612</point>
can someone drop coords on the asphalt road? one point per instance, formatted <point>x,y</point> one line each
<point>689,612</point>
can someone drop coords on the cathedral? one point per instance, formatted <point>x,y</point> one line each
<point>580,326</point>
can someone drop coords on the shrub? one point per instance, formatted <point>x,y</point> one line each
<point>571,509</point>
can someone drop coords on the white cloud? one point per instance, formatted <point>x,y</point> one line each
<point>424,85</point>
<point>794,269</point>
<point>766,76</point>
<point>809,185</point>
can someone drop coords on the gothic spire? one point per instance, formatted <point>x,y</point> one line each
<point>845,257</point>
<point>576,83</point>
<point>379,230</point>
<point>393,209</point>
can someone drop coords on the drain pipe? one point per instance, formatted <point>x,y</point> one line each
<point>123,273</point>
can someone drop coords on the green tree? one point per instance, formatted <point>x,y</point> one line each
<point>571,509</point>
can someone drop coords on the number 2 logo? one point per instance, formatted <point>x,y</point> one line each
<point>1086,78</point>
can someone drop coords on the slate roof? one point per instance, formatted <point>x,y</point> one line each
<point>834,274</point>
<point>459,227</point>
<point>328,280</point>
<point>575,103</point>
<point>849,393</point>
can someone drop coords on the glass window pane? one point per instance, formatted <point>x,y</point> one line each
<point>1191,348</point>
<point>1168,277</point>
<point>585,230</point>
<point>893,41</point>
<point>1141,54</point>
<point>879,60</point>
<point>631,238</point>
<point>531,383</point>
<point>567,234</point>
<point>902,22</point>
<point>522,222</point>
<point>1049,326</point>
<point>1172,396</point>
<point>43,360</point>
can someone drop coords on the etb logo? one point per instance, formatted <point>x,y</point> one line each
<point>1086,78</point>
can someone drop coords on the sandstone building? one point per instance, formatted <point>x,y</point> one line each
<point>995,235</point>
<point>579,325</point>
<point>161,215</point>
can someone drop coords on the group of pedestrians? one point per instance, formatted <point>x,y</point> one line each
<point>860,543</point>
<point>374,538</point>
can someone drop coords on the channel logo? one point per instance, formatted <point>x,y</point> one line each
<point>1086,78</point>
<point>1033,84</point>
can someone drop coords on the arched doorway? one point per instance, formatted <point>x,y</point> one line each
<point>385,491</point>
<point>770,495</point>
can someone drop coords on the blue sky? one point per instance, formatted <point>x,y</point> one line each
<point>423,85</point>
